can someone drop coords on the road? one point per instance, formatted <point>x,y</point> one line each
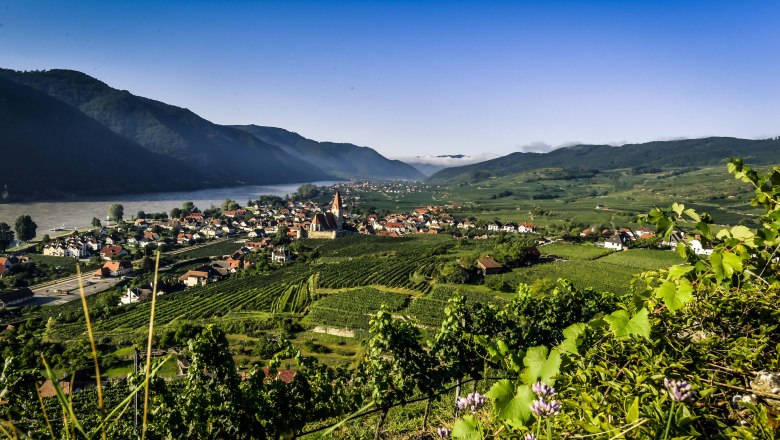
<point>50,293</point>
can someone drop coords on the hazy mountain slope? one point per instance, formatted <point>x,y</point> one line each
<point>678,153</point>
<point>339,159</point>
<point>223,154</point>
<point>50,149</point>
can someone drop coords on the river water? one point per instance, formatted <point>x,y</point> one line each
<point>69,214</point>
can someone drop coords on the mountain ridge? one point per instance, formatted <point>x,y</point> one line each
<point>680,153</point>
<point>71,156</point>
<point>341,159</point>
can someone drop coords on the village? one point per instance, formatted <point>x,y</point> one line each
<point>262,231</point>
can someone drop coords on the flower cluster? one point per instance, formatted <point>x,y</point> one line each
<point>545,406</point>
<point>541,389</point>
<point>530,437</point>
<point>444,432</point>
<point>472,401</point>
<point>679,390</point>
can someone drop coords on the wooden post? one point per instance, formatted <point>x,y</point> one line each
<point>382,417</point>
<point>136,358</point>
<point>457,395</point>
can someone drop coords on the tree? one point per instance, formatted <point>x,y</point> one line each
<point>96,222</point>
<point>281,235</point>
<point>116,212</point>
<point>25,228</point>
<point>230,205</point>
<point>140,214</point>
<point>6,236</point>
<point>188,207</point>
<point>176,213</point>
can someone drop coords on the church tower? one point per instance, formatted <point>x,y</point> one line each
<point>336,208</point>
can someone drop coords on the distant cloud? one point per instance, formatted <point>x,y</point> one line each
<point>447,161</point>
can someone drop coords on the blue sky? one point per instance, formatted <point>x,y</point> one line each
<point>425,77</point>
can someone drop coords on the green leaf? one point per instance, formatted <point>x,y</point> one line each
<point>693,215</point>
<point>725,264</point>
<point>665,228</point>
<point>675,296</point>
<point>633,411</point>
<point>678,270</point>
<point>466,428</point>
<point>742,233</point>
<point>539,367</point>
<point>678,208</point>
<point>512,408</point>
<point>623,325</point>
<point>572,338</point>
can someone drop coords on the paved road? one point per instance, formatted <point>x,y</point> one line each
<point>52,295</point>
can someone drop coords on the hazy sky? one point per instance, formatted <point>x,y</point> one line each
<point>426,77</point>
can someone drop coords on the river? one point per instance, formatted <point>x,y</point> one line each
<point>70,214</point>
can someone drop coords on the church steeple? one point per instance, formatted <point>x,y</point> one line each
<point>336,208</point>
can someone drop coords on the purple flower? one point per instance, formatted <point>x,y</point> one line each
<point>543,390</point>
<point>679,390</point>
<point>543,408</point>
<point>444,432</point>
<point>530,437</point>
<point>471,401</point>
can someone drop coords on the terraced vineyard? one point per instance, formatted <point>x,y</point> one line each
<point>255,292</point>
<point>366,271</point>
<point>351,309</point>
<point>429,310</point>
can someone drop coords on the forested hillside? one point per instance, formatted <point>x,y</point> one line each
<point>50,149</point>
<point>225,155</point>
<point>338,159</point>
<point>662,154</point>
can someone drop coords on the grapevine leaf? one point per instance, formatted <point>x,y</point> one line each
<point>572,338</point>
<point>725,264</point>
<point>678,208</point>
<point>466,429</point>
<point>741,233</point>
<point>678,270</point>
<point>623,325</point>
<point>513,408</point>
<point>539,366</point>
<point>665,228</point>
<point>674,296</point>
<point>693,215</point>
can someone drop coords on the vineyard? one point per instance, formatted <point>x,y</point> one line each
<point>351,309</point>
<point>393,272</point>
<point>256,292</point>
<point>428,310</point>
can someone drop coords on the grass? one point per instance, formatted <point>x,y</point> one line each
<point>574,251</point>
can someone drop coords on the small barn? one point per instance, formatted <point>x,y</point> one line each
<point>489,265</point>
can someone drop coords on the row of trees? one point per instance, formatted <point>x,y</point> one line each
<point>25,228</point>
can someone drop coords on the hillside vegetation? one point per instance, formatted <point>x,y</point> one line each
<point>50,149</point>
<point>342,160</point>
<point>645,157</point>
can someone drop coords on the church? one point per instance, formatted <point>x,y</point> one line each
<point>329,224</point>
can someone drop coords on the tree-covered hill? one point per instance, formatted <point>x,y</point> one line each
<point>339,159</point>
<point>224,155</point>
<point>660,154</point>
<point>50,149</point>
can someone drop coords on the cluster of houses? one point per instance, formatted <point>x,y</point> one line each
<point>624,238</point>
